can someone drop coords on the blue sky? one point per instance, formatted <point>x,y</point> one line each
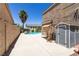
<point>34,11</point>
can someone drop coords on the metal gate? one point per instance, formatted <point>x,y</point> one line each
<point>61,35</point>
<point>67,36</point>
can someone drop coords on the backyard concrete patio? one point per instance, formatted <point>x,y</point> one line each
<point>35,45</point>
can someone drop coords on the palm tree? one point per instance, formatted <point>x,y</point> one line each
<point>23,16</point>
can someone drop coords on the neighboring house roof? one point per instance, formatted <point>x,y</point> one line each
<point>52,6</point>
<point>33,25</point>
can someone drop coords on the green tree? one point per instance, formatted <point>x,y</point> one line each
<point>23,16</point>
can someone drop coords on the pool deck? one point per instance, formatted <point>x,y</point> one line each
<point>35,45</point>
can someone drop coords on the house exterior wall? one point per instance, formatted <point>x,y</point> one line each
<point>8,31</point>
<point>45,29</point>
<point>63,12</point>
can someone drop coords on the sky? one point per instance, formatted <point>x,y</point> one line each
<point>34,11</point>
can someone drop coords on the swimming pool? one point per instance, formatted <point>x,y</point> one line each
<point>33,33</point>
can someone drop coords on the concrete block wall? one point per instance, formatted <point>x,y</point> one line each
<point>8,31</point>
<point>11,33</point>
<point>2,38</point>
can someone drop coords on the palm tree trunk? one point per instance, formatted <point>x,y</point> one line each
<point>23,27</point>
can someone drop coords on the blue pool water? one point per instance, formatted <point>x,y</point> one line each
<point>33,33</point>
